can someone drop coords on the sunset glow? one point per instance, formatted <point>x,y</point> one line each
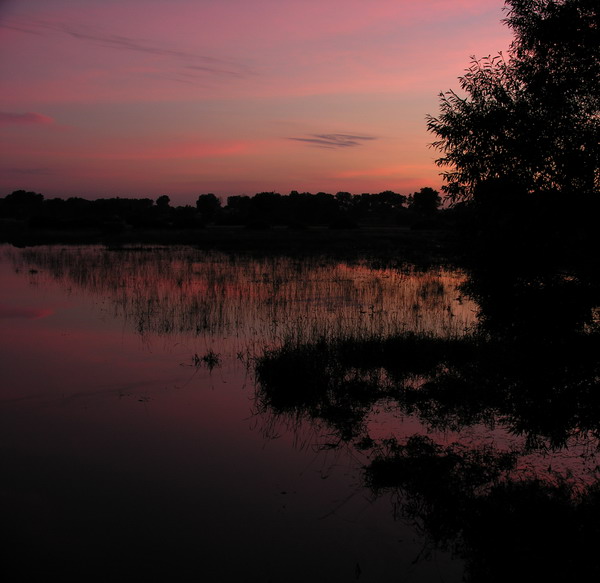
<point>149,97</point>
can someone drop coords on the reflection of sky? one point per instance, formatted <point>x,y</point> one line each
<point>140,428</point>
<point>174,452</point>
<point>233,305</point>
<point>28,313</point>
<point>182,97</point>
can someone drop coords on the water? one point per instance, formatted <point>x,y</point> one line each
<point>134,436</point>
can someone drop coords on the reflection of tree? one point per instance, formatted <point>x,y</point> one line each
<point>530,366</point>
<point>506,529</point>
<point>553,307</point>
<point>307,381</point>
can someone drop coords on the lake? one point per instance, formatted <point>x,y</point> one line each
<point>227,417</point>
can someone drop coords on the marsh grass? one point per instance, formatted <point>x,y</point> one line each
<point>549,396</point>
<point>332,342</point>
<point>210,360</point>
<point>261,301</point>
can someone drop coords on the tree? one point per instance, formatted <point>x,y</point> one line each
<point>162,202</point>
<point>21,204</point>
<point>532,117</point>
<point>208,205</point>
<point>425,202</point>
<point>391,201</point>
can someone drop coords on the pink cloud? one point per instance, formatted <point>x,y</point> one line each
<point>28,118</point>
<point>202,95</point>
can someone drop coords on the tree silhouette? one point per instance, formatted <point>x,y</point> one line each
<point>162,202</point>
<point>425,202</point>
<point>533,116</point>
<point>208,205</point>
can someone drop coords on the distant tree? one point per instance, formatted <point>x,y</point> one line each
<point>22,203</point>
<point>344,200</point>
<point>186,217</point>
<point>425,202</point>
<point>325,207</point>
<point>236,211</point>
<point>238,201</point>
<point>208,206</point>
<point>391,200</point>
<point>266,206</point>
<point>532,116</point>
<point>24,198</point>
<point>162,202</point>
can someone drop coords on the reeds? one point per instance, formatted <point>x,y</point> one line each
<point>266,301</point>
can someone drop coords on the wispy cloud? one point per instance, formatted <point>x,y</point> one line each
<point>215,70</point>
<point>28,118</point>
<point>334,140</point>
<point>203,64</point>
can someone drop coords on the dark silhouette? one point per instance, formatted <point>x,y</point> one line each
<point>208,205</point>
<point>24,214</point>
<point>163,203</point>
<point>530,367</point>
<point>425,202</point>
<point>530,116</point>
<point>505,528</point>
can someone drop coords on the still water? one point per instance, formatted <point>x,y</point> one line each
<point>133,437</point>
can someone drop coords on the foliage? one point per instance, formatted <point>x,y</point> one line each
<point>162,202</point>
<point>532,116</point>
<point>425,202</point>
<point>265,209</point>
<point>208,205</point>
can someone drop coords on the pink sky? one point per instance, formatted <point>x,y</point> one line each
<point>182,97</point>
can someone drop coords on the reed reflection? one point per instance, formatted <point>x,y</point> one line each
<point>259,301</point>
<point>473,401</point>
<point>502,467</point>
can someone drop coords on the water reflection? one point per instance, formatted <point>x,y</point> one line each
<point>264,301</point>
<point>117,456</point>
<point>469,500</point>
<point>503,465</point>
<point>471,401</point>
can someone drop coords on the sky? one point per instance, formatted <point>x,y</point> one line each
<point>140,98</point>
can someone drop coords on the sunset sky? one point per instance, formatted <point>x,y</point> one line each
<point>183,97</point>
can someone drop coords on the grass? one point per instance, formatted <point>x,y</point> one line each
<point>268,299</point>
<point>210,360</point>
<point>544,391</point>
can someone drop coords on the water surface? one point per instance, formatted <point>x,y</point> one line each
<point>134,435</point>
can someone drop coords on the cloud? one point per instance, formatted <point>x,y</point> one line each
<point>214,70</point>
<point>334,140</point>
<point>202,63</point>
<point>28,118</point>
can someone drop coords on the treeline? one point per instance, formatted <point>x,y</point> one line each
<point>263,210</point>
